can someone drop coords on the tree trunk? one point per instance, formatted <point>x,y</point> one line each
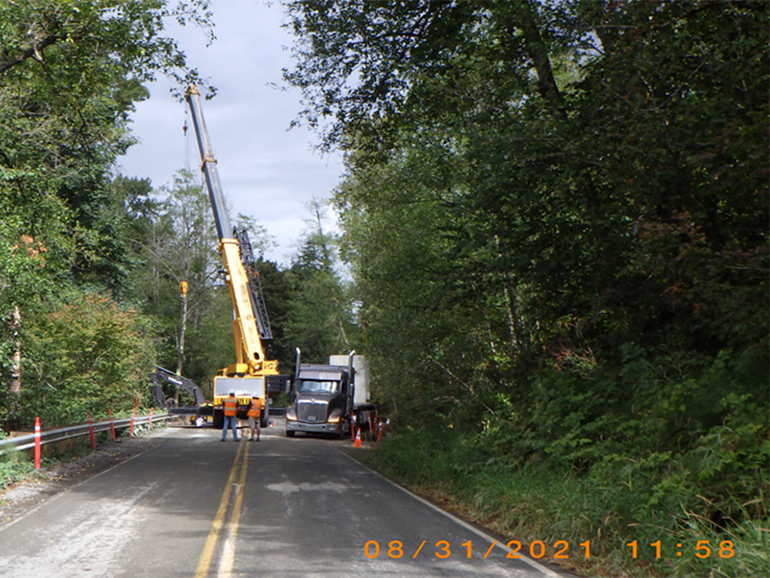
<point>16,361</point>
<point>538,52</point>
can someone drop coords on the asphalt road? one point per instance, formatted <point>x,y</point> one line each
<point>195,507</point>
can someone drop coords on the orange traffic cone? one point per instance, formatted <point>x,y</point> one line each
<point>357,443</point>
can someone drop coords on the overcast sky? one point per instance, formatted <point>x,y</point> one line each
<point>267,171</point>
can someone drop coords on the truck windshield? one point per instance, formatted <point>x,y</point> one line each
<point>312,386</point>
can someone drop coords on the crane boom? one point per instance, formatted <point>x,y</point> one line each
<point>209,166</point>
<point>250,324</point>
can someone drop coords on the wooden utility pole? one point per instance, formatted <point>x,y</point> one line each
<point>182,329</point>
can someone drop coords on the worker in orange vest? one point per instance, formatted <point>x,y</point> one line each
<point>230,409</point>
<point>254,414</point>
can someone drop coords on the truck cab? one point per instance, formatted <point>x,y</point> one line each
<point>330,399</point>
<point>321,401</point>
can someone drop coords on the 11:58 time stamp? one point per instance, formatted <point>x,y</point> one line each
<point>560,550</point>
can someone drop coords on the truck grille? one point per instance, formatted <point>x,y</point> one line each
<point>312,411</point>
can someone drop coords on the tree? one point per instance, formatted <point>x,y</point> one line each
<point>561,210</point>
<point>176,243</point>
<point>87,355</point>
<point>574,228</point>
<point>319,319</point>
<point>69,75</point>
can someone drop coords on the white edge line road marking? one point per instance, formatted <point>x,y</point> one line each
<point>463,523</point>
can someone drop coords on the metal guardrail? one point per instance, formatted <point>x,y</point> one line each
<point>26,442</point>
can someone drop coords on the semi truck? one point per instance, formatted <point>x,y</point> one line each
<point>331,399</point>
<point>248,376</point>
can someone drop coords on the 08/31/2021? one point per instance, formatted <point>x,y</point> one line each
<point>538,549</point>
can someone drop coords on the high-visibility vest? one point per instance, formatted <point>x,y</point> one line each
<point>230,406</point>
<point>255,409</point>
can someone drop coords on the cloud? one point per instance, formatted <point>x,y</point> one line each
<point>267,171</point>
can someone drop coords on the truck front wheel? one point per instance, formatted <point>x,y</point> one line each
<point>290,434</point>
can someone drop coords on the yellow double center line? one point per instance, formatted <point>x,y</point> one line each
<point>228,555</point>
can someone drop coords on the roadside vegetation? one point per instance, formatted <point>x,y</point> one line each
<point>556,218</point>
<point>91,262</point>
<point>70,73</point>
<point>554,253</point>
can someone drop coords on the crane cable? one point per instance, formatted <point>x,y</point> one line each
<point>188,137</point>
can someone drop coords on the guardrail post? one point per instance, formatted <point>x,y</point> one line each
<point>131,427</point>
<point>112,425</point>
<point>37,443</point>
<point>91,431</point>
<point>150,418</point>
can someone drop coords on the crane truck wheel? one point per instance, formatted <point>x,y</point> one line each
<point>290,434</point>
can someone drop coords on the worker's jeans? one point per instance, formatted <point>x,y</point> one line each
<point>229,422</point>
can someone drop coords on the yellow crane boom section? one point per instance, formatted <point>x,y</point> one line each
<point>250,355</point>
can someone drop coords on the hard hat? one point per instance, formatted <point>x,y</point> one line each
<point>255,396</point>
<point>231,392</point>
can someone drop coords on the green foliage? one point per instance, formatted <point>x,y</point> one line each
<point>70,73</point>
<point>279,297</point>
<point>173,240</point>
<point>13,467</point>
<point>209,345</point>
<point>319,316</point>
<point>556,216</point>
<point>619,501</point>
<point>87,355</point>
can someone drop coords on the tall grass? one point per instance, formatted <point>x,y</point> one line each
<point>609,507</point>
<point>14,466</point>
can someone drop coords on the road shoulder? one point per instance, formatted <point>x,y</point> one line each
<point>18,500</point>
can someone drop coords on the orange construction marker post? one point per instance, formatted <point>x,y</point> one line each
<point>131,427</point>
<point>112,426</point>
<point>91,431</point>
<point>37,443</point>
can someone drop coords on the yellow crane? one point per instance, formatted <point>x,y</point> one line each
<point>248,375</point>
